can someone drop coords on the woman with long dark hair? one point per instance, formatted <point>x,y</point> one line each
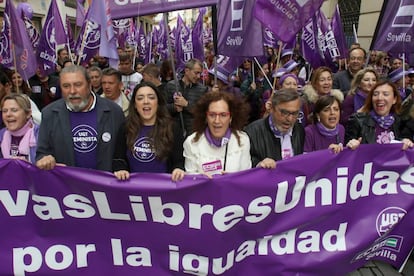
<point>153,143</point>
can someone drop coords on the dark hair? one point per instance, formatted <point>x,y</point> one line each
<point>238,109</point>
<point>162,134</point>
<point>396,108</point>
<point>112,72</point>
<point>3,78</point>
<point>25,89</point>
<point>152,70</point>
<point>321,103</point>
<point>125,57</point>
<point>357,48</point>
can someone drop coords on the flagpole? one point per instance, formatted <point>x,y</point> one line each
<point>279,51</point>
<point>14,63</point>
<point>264,73</point>
<point>174,71</point>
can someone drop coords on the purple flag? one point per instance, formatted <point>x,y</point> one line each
<point>197,36</point>
<point>326,41</point>
<point>143,46</point>
<point>162,45</point>
<point>124,9</point>
<point>99,14</point>
<point>338,33</point>
<point>395,29</point>
<point>33,33</point>
<point>52,38</point>
<point>80,13</point>
<point>239,33</point>
<point>69,35</point>
<point>19,41</point>
<point>87,44</point>
<point>121,29</point>
<point>183,44</point>
<point>309,39</point>
<point>6,55</point>
<point>269,38</point>
<point>285,18</point>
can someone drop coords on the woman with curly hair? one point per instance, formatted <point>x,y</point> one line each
<point>153,143</point>
<point>218,145</point>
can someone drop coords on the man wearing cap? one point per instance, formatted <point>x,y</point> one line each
<point>342,79</point>
<point>279,135</point>
<point>81,129</point>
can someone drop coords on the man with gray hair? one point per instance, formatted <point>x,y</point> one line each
<point>279,135</point>
<point>81,129</point>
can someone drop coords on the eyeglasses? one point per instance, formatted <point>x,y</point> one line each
<point>285,113</point>
<point>221,115</point>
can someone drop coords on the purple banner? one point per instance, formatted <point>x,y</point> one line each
<point>285,18</point>
<point>394,33</point>
<point>339,35</point>
<point>309,44</point>
<point>132,8</point>
<point>315,214</point>
<point>238,32</point>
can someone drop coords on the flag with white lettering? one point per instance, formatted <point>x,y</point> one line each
<point>87,44</point>
<point>143,46</point>
<point>52,38</point>
<point>14,36</point>
<point>239,33</point>
<point>326,41</point>
<point>309,44</point>
<point>33,33</point>
<point>162,46</point>
<point>395,29</point>
<point>183,44</point>
<point>197,36</point>
<point>338,33</point>
<point>285,18</point>
<point>100,15</point>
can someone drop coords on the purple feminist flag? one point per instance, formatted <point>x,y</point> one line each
<point>99,13</point>
<point>326,40</point>
<point>269,38</point>
<point>33,33</point>
<point>87,45</point>
<point>395,29</point>
<point>53,37</point>
<point>121,29</point>
<point>162,45</point>
<point>143,47</point>
<point>338,32</point>
<point>69,35</point>
<point>239,33</point>
<point>310,49</point>
<point>19,40</point>
<point>285,18</point>
<point>80,12</point>
<point>6,55</point>
<point>197,36</point>
<point>183,44</point>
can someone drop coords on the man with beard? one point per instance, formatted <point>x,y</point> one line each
<point>80,129</point>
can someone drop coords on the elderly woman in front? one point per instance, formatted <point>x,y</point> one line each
<point>218,145</point>
<point>19,138</point>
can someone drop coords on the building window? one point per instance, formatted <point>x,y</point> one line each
<point>70,3</point>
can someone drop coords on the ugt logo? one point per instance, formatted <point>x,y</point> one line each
<point>387,218</point>
<point>405,14</point>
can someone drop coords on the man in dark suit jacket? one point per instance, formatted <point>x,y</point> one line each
<point>81,128</point>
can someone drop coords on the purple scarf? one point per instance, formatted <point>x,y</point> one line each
<point>326,131</point>
<point>359,100</point>
<point>28,140</point>
<point>217,142</point>
<point>383,121</point>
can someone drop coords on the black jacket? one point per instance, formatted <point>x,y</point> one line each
<point>263,142</point>
<point>363,125</point>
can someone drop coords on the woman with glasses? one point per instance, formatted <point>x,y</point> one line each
<point>379,121</point>
<point>152,142</point>
<point>218,145</point>
<point>19,138</point>
<point>325,132</point>
<point>382,64</point>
